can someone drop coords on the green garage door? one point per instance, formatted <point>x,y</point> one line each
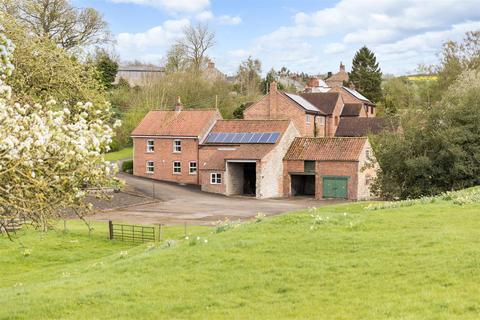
<point>335,187</point>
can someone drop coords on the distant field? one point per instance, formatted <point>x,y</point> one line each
<point>422,78</point>
<point>337,262</point>
<point>119,155</point>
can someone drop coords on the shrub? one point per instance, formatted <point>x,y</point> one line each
<point>127,166</point>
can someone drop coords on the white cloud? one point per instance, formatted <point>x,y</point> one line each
<point>205,16</point>
<point>171,5</point>
<point>402,33</point>
<point>229,20</point>
<point>151,45</point>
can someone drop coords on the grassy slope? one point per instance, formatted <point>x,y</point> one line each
<point>119,155</point>
<point>420,262</point>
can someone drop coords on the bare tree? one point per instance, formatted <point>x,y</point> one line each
<point>196,41</point>
<point>67,26</point>
<point>248,76</point>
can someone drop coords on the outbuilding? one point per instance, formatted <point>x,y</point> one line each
<point>244,157</point>
<point>329,168</point>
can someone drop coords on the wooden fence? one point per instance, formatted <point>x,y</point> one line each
<point>130,232</point>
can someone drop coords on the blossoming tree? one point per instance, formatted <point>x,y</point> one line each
<point>49,154</point>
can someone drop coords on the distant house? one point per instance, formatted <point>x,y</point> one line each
<point>166,143</point>
<point>360,127</point>
<point>338,79</point>
<point>316,85</point>
<point>139,75</point>
<point>244,157</point>
<point>329,168</point>
<point>211,73</point>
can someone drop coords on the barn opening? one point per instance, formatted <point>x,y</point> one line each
<point>242,178</point>
<point>303,184</point>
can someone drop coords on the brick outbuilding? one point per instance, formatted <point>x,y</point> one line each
<point>326,168</point>
<point>244,157</point>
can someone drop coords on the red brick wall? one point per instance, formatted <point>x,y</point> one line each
<point>206,184</point>
<point>323,168</point>
<point>337,168</point>
<point>284,110</point>
<point>163,157</point>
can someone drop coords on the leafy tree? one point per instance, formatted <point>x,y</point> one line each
<point>177,59</point>
<point>106,66</point>
<point>49,154</point>
<point>271,76</point>
<point>438,149</point>
<point>44,70</point>
<point>57,20</point>
<point>366,74</point>
<point>248,77</point>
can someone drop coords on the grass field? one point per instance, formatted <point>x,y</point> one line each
<point>119,155</point>
<point>345,262</point>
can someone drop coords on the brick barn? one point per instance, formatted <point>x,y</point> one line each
<point>244,157</point>
<point>166,143</point>
<point>329,168</point>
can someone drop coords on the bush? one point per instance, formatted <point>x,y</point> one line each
<point>127,166</point>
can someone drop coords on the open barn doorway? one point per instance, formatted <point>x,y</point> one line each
<point>302,185</point>
<point>242,178</point>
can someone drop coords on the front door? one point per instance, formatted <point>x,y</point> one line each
<point>335,187</point>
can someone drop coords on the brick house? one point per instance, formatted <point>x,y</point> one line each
<point>361,127</point>
<point>244,157</point>
<point>166,143</point>
<point>338,79</point>
<point>314,114</point>
<point>354,99</point>
<point>340,168</point>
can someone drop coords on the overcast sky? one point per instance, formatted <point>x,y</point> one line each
<point>304,35</point>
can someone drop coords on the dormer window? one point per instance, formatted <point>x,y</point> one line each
<point>150,145</point>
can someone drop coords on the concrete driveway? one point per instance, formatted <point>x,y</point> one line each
<point>173,204</point>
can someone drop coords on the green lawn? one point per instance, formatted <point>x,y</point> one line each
<point>119,155</point>
<point>417,262</point>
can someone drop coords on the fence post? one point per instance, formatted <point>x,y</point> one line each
<point>110,229</point>
<point>160,233</point>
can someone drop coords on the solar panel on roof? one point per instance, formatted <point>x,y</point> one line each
<point>274,137</point>
<point>243,137</point>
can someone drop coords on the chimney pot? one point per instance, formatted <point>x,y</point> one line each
<point>342,67</point>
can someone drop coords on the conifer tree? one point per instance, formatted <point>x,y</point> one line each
<point>366,75</point>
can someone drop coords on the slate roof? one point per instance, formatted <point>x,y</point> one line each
<point>301,101</point>
<point>323,101</point>
<point>326,149</point>
<point>360,127</point>
<point>351,110</point>
<point>187,122</point>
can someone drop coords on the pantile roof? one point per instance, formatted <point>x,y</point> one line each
<point>326,149</point>
<point>187,122</point>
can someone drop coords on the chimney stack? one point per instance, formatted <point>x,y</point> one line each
<point>178,106</point>
<point>342,67</point>
<point>272,95</point>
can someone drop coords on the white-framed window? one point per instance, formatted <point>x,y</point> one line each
<point>150,166</point>
<point>192,167</point>
<point>321,121</point>
<point>307,119</point>
<point>177,167</point>
<point>215,178</point>
<point>177,146</point>
<point>150,145</point>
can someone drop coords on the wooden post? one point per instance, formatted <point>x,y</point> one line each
<point>160,233</point>
<point>216,101</point>
<point>110,229</point>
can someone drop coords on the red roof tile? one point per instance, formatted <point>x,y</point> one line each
<point>188,122</point>
<point>326,149</point>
